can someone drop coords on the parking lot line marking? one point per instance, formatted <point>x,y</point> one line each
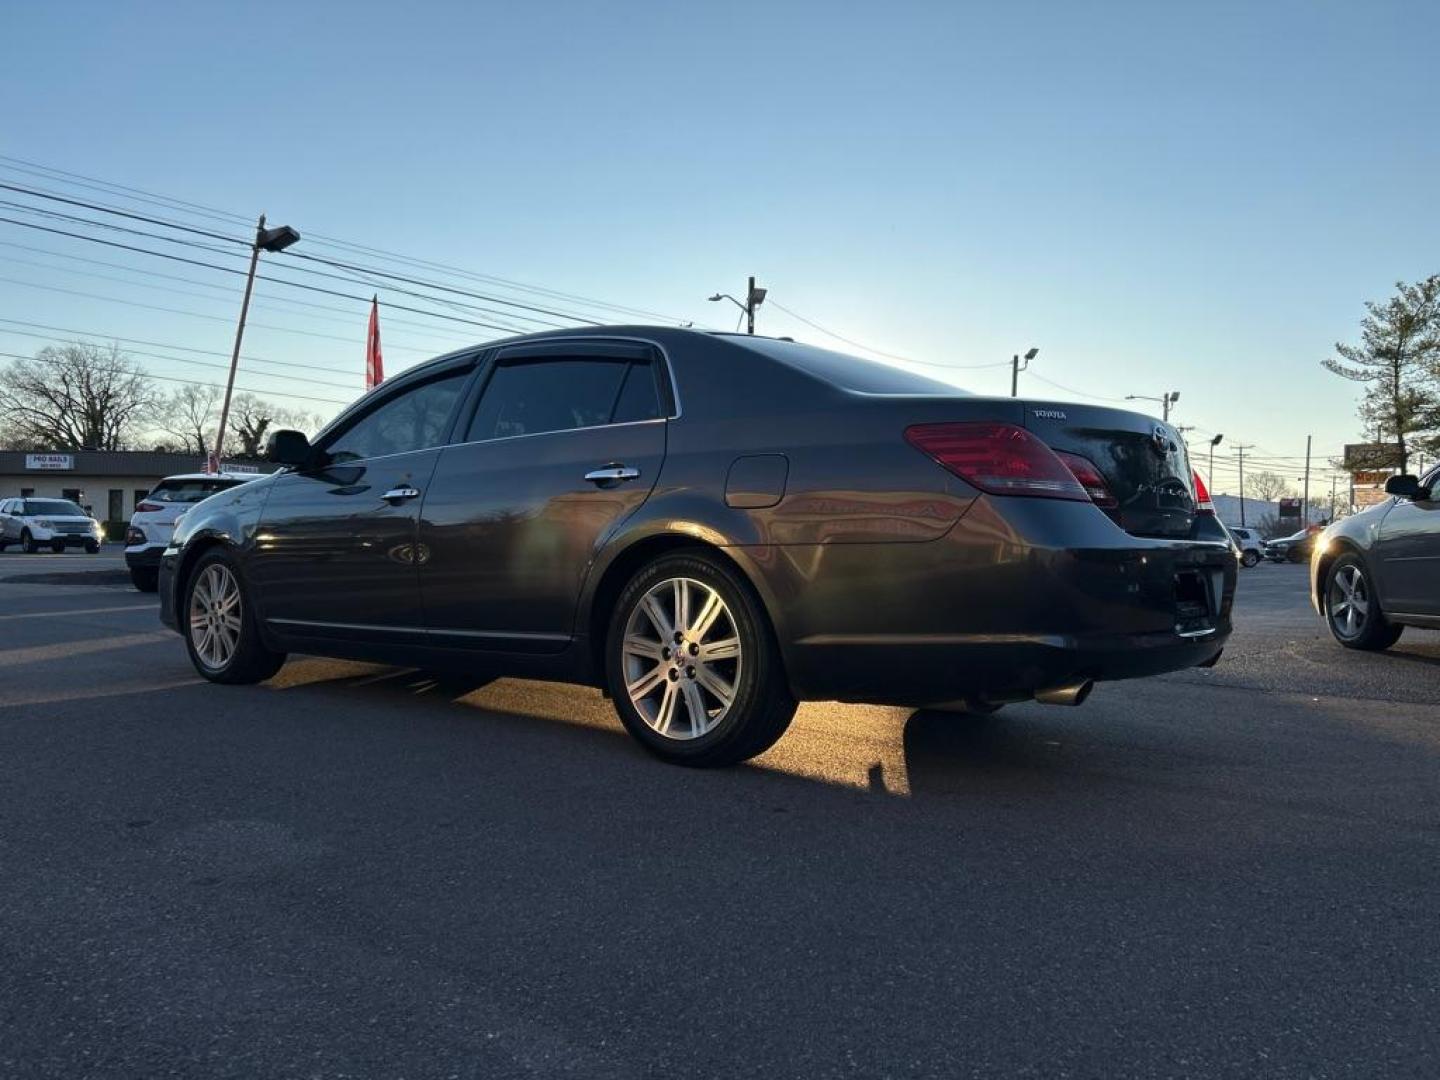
<point>66,650</point>
<point>78,611</point>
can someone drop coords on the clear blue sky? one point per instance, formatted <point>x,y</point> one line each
<point>1160,196</point>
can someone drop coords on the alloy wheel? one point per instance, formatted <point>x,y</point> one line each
<point>681,658</point>
<point>1349,601</point>
<point>215,616</point>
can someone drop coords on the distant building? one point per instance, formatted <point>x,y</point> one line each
<point>1227,508</point>
<point>108,482</point>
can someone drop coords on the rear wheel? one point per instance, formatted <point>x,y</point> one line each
<point>692,664</point>
<point>145,578</point>
<point>1352,610</point>
<point>1249,559</point>
<point>219,624</point>
<point>29,542</point>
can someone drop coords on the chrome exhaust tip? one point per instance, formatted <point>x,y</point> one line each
<point>1073,694</point>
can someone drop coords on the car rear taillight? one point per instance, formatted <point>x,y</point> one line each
<point>134,536</point>
<point>1203,502</point>
<point>1001,459</point>
<point>148,508</point>
<point>1090,479</point>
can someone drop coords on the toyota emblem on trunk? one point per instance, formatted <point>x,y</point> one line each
<point>1160,440</point>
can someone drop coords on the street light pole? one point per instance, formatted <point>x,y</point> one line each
<point>1242,450</point>
<point>1015,369</point>
<point>1214,443</point>
<point>1305,496</point>
<point>277,239</point>
<point>754,297</point>
<point>1166,400</point>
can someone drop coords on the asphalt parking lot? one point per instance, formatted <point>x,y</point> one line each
<point>355,871</point>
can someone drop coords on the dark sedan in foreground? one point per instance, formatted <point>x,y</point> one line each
<point>1377,572</point>
<point>712,527</point>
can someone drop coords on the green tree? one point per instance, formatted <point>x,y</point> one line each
<point>1398,360</point>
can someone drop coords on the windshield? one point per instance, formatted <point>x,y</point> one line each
<point>189,491</point>
<point>52,507</point>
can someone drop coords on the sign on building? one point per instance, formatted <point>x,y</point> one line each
<point>50,462</point>
<point>1360,456</point>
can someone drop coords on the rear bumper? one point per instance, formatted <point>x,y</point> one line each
<point>1022,595</point>
<point>143,558</point>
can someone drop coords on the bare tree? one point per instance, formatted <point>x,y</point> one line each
<point>80,396</point>
<point>251,419</point>
<point>1398,359</point>
<point>189,415</point>
<point>1266,486</point>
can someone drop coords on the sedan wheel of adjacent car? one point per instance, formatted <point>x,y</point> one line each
<point>1353,611</point>
<point>31,545</point>
<point>220,631</point>
<point>692,664</point>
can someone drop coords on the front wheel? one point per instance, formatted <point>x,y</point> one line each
<point>29,543</point>
<point>1352,610</point>
<point>92,548</point>
<point>1249,559</point>
<point>219,624</point>
<point>692,664</point>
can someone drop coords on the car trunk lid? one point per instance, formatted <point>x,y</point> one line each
<point>1142,460</point>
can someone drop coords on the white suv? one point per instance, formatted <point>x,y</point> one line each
<point>155,515</point>
<point>52,523</point>
<point>1248,541</point>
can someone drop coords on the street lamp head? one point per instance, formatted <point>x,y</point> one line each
<point>1032,353</point>
<point>1216,440</point>
<point>717,296</point>
<point>1174,395</point>
<point>757,296</point>
<point>276,239</point>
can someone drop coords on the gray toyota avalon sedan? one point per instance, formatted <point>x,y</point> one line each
<point>712,527</point>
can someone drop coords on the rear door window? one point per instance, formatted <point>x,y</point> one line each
<point>532,397</point>
<point>189,490</point>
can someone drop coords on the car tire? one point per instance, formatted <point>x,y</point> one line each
<point>92,548</point>
<point>708,688</point>
<point>215,601</point>
<point>29,543</point>
<point>1249,559</point>
<point>145,578</point>
<point>1352,610</point>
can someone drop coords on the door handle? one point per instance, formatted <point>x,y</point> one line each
<point>610,474</point>
<point>400,494</point>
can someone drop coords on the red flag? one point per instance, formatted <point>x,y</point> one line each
<point>374,362</point>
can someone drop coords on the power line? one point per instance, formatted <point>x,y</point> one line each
<point>197,363</point>
<point>343,314</point>
<point>263,277</point>
<point>174,379</point>
<point>55,175</point>
<point>164,345</point>
<point>102,208</point>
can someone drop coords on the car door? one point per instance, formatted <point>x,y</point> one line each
<point>564,443</point>
<point>335,554</point>
<point>7,530</point>
<point>1408,553</point>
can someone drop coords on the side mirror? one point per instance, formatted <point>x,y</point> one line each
<point>1405,486</point>
<point>286,447</point>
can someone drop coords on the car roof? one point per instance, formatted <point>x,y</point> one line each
<point>215,476</point>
